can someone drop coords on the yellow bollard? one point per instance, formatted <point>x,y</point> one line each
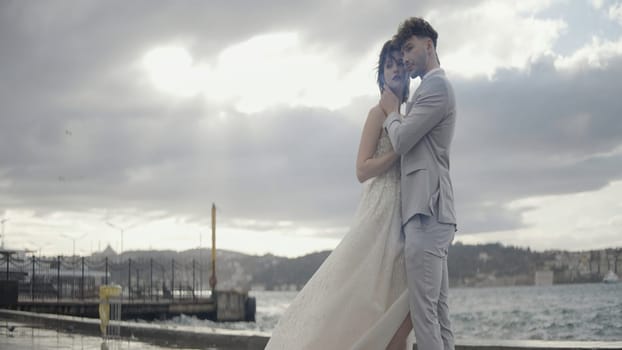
<point>105,292</point>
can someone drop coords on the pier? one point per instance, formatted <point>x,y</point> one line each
<point>150,288</point>
<point>224,306</point>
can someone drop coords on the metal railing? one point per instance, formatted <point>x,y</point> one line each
<point>74,277</point>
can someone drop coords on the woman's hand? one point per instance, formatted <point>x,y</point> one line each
<point>389,102</point>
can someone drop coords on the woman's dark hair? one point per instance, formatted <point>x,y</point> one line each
<point>385,54</point>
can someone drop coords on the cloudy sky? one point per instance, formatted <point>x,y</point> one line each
<point>137,116</point>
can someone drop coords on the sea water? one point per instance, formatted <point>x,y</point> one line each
<point>590,312</point>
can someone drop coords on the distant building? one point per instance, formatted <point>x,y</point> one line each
<point>543,278</point>
<point>258,287</point>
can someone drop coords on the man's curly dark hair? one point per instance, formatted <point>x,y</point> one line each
<point>414,26</point>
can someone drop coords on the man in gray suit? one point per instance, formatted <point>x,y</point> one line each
<point>423,137</point>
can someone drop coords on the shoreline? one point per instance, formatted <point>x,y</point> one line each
<point>248,340</point>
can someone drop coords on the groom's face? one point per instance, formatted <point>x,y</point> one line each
<point>415,52</point>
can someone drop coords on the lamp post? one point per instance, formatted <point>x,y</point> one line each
<point>121,230</point>
<point>73,263</point>
<point>39,246</point>
<point>74,239</point>
<point>201,264</point>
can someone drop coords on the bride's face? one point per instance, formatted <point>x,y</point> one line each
<point>394,72</point>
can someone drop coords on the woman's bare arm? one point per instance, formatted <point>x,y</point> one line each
<point>366,165</point>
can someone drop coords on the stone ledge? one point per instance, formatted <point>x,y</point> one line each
<point>247,340</point>
<point>148,333</point>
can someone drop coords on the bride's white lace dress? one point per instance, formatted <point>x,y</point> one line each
<point>357,299</point>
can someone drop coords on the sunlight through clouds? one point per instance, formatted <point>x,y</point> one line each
<point>265,71</point>
<point>289,74</point>
<point>270,70</point>
<point>597,4</point>
<point>615,12</point>
<point>495,35</point>
<point>171,70</point>
<point>596,54</point>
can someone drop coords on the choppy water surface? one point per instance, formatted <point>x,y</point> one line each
<point>565,312</point>
<point>588,312</point>
<point>562,312</point>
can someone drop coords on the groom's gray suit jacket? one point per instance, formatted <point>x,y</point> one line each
<point>423,138</point>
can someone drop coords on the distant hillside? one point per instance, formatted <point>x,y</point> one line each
<point>271,271</point>
<point>233,269</point>
<point>490,264</point>
<point>469,265</point>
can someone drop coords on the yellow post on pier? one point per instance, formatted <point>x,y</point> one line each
<point>105,293</point>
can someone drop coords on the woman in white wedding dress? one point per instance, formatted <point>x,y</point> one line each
<point>357,299</point>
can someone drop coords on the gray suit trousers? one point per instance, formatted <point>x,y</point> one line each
<point>426,245</point>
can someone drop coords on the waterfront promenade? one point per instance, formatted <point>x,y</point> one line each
<point>167,336</point>
<point>29,337</point>
<point>82,333</point>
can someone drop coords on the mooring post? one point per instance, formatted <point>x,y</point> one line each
<point>82,281</point>
<point>32,280</point>
<point>151,279</point>
<point>59,287</point>
<point>129,279</point>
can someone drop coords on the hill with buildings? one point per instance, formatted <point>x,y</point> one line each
<point>469,266</point>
